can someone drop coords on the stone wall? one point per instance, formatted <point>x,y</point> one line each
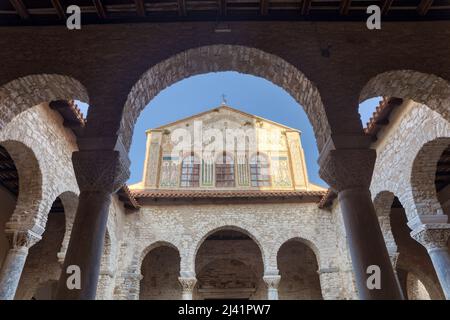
<point>185,227</point>
<point>412,126</point>
<point>41,148</point>
<point>160,270</point>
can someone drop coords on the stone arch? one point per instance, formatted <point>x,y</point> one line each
<point>154,245</point>
<point>304,241</point>
<point>70,203</point>
<point>229,265</point>
<point>383,205</point>
<point>424,88</point>
<point>272,263</point>
<point>26,92</point>
<point>433,289</point>
<point>422,177</point>
<point>30,199</point>
<point>417,126</point>
<point>159,269</point>
<point>216,58</point>
<point>198,243</point>
<point>44,259</point>
<point>294,282</point>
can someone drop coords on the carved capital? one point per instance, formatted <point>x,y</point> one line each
<point>432,236</point>
<point>187,284</point>
<point>272,281</point>
<point>346,169</point>
<point>100,170</point>
<point>19,239</point>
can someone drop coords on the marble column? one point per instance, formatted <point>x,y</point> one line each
<point>15,260</point>
<point>272,282</point>
<point>349,172</point>
<point>187,287</point>
<point>99,174</point>
<point>434,238</point>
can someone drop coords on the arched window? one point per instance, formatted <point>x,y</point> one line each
<point>190,171</point>
<point>224,171</point>
<point>260,170</point>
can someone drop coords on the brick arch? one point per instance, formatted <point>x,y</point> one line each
<point>422,177</point>
<point>26,92</point>
<point>216,58</point>
<point>202,238</point>
<point>30,197</point>
<point>424,88</point>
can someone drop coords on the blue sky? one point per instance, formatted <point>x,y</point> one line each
<point>244,92</point>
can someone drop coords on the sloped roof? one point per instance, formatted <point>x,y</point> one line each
<point>224,107</point>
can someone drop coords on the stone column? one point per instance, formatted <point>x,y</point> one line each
<point>187,286</point>
<point>272,282</point>
<point>434,238</point>
<point>13,265</point>
<point>349,171</point>
<point>99,173</point>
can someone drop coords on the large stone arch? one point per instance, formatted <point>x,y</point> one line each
<point>31,201</point>
<point>216,58</point>
<point>190,267</point>
<point>422,178</point>
<point>25,92</point>
<point>424,88</point>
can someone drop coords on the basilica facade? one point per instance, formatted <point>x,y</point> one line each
<point>225,208</point>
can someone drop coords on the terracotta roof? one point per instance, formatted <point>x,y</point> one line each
<point>381,115</point>
<point>327,199</point>
<point>171,194</point>
<point>127,198</point>
<point>73,117</point>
